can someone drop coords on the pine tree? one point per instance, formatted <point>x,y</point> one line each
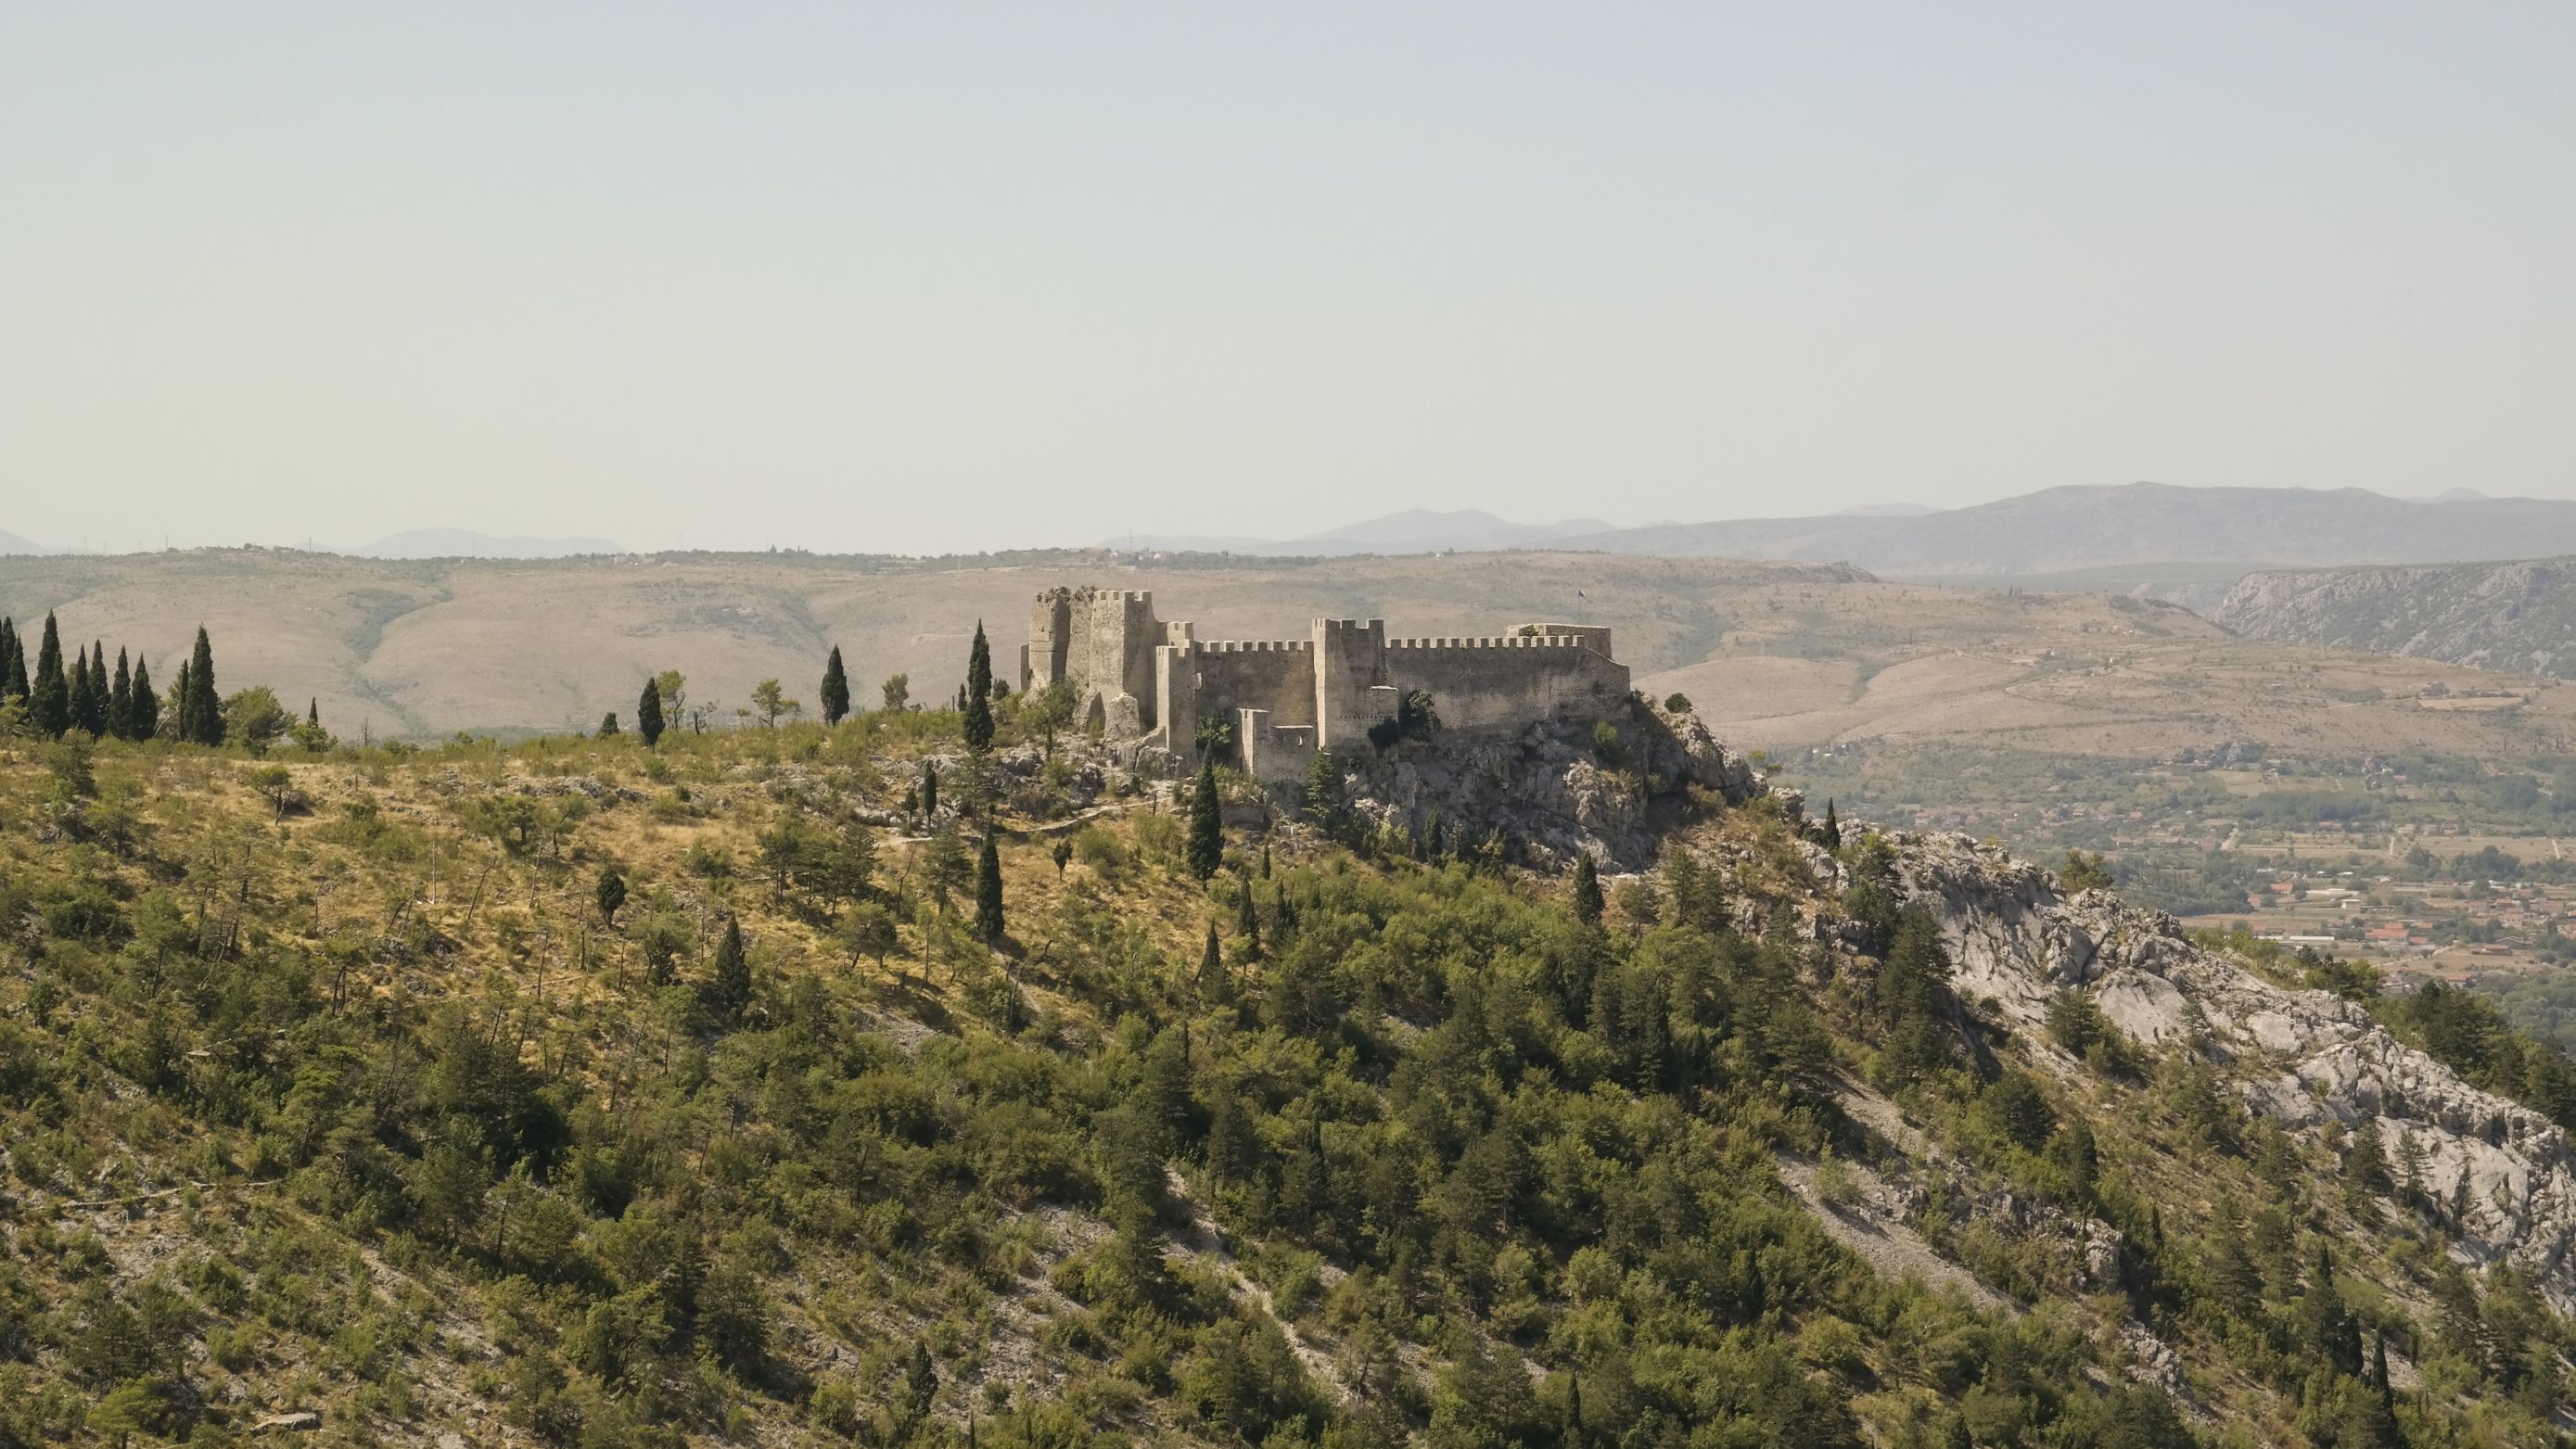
<point>979,693</point>
<point>143,711</point>
<point>729,991</point>
<point>120,699</point>
<point>87,711</point>
<point>836,689</point>
<point>13,667</point>
<point>988,890</point>
<point>648,714</point>
<point>201,721</point>
<point>1587,891</point>
<point>49,704</point>
<point>1833,831</point>
<point>1207,824</point>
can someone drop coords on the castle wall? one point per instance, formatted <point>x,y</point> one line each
<point>1288,699</point>
<point>1273,753</point>
<point>1350,660</point>
<point>1503,683</point>
<point>1196,681</point>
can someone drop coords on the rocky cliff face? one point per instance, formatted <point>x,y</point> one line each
<point>1554,789</point>
<point>2501,1171</point>
<point>2518,616</point>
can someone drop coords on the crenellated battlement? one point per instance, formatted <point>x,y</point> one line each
<point>1138,675</point>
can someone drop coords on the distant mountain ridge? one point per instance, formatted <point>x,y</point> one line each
<point>2055,531</point>
<point>2518,615</point>
<point>12,543</point>
<point>2080,527</point>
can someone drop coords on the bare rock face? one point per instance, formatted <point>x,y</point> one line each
<point>2501,1172</point>
<point>1552,789</point>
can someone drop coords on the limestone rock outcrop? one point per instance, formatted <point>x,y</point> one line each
<point>1554,789</point>
<point>2499,1172</point>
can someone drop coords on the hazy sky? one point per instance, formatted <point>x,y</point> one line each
<point>955,276</point>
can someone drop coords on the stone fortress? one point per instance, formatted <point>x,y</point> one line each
<point>1152,683</point>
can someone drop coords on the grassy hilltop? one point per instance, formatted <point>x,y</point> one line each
<point>340,1082</point>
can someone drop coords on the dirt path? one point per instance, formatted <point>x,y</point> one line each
<point>1205,1244</point>
<point>1881,1239</point>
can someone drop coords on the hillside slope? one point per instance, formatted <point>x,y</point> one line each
<point>343,1093</point>
<point>2518,616</point>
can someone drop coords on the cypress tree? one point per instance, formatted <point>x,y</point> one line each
<point>1214,988</point>
<point>1587,891</point>
<point>836,689</point>
<point>988,891</point>
<point>313,711</point>
<point>648,714</point>
<point>98,686</point>
<point>13,669</point>
<point>1833,831</point>
<point>50,702</point>
<point>929,788</point>
<point>86,711</point>
<point>201,718</point>
<point>1247,924</point>
<point>1207,824</point>
<point>730,990</point>
<point>979,693</point>
<point>120,698</point>
<point>143,711</point>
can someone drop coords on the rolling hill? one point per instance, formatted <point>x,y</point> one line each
<point>1779,655</point>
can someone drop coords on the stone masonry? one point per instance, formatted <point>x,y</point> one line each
<point>1144,680</point>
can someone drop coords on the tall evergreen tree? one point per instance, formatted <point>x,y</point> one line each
<point>1215,989</point>
<point>98,686</point>
<point>143,711</point>
<point>648,714</point>
<point>729,991</point>
<point>1833,831</point>
<point>836,689</point>
<point>49,703</point>
<point>13,666</point>
<point>988,890</point>
<point>979,693</point>
<point>1247,923</point>
<point>1207,824</point>
<point>87,712</point>
<point>120,698</point>
<point>201,719</point>
<point>313,710</point>
<point>1587,890</point>
<point>929,789</point>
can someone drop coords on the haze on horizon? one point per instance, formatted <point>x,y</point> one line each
<point>983,277</point>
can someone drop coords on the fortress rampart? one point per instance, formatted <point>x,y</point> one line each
<point>1283,700</point>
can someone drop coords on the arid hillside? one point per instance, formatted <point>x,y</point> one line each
<point>431,647</point>
<point>1774,655</point>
